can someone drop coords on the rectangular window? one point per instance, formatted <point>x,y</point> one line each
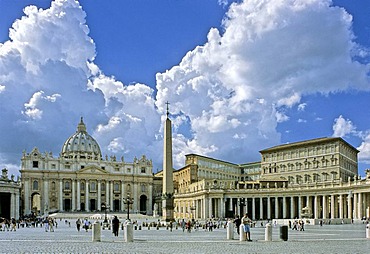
<point>35,164</point>
<point>53,166</point>
<point>143,170</point>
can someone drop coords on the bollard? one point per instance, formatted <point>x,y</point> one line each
<point>129,232</point>
<point>284,233</point>
<point>96,232</point>
<point>230,230</point>
<point>242,235</point>
<point>368,231</point>
<point>268,232</point>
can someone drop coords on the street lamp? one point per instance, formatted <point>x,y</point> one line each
<point>105,207</point>
<point>128,201</point>
<point>241,204</point>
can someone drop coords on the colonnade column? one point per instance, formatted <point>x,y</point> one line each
<point>359,206</point>
<point>341,206</point>
<point>261,208</point>
<point>230,204</point>
<point>332,206</point>
<point>284,207</point>
<point>78,196</point>
<point>349,206</point>
<point>253,209</point>
<point>204,208</point>
<point>355,213</point>
<point>316,207</point>
<point>292,208</point>
<point>324,207</point>
<point>222,208</point>
<point>299,206</point>
<point>61,195</point>
<point>210,208</point>
<point>276,207</point>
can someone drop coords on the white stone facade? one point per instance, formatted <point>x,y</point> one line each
<point>80,179</point>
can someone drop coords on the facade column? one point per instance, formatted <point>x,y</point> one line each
<point>87,205</point>
<point>261,208</point>
<point>355,205</point>
<point>111,196</point>
<point>276,207</point>
<point>150,200</point>
<point>45,195</point>
<point>332,206</point>
<point>99,195</point>
<point>107,188</point>
<point>78,195</point>
<point>299,206</point>
<point>61,195</point>
<point>27,198</point>
<point>123,196</point>
<point>316,207</point>
<point>341,206</point>
<point>73,195</point>
<point>268,208</point>
<point>253,208</point>
<point>324,207</point>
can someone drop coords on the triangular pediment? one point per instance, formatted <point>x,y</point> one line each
<point>92,169</point>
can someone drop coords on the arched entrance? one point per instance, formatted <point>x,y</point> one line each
<point>143,200</point>
<point>36,203</point>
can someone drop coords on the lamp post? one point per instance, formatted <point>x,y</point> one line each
<point>241,204</point>
<point>128,201</point>
<point>105,207</point>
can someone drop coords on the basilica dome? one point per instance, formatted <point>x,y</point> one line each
<point>81,145</point>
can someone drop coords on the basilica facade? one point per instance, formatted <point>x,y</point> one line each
<point>81,180</point>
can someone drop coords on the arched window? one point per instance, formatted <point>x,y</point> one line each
<point>67,185</point>
<point>35,185</point>
<point>116,186</point>
<point>82,186</point>
<point>103,187</point>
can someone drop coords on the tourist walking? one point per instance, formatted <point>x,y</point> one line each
<point>115,225</point>
<point>237,223</point>
<point>246,226</point>
<point>78,224</point>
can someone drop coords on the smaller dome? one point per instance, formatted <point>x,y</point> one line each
<point>81,145</point>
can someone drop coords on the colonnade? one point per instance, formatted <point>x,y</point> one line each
<point>350,205</point>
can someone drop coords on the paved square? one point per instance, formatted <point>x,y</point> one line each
<point>65,239</point>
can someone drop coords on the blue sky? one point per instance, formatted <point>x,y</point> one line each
<point>240,77</point>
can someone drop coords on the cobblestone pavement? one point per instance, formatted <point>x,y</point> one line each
<point>65,239</point>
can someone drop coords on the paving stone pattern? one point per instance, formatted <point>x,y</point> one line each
<point>65,239</point>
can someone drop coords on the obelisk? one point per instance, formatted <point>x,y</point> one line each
<point>167,191</point>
